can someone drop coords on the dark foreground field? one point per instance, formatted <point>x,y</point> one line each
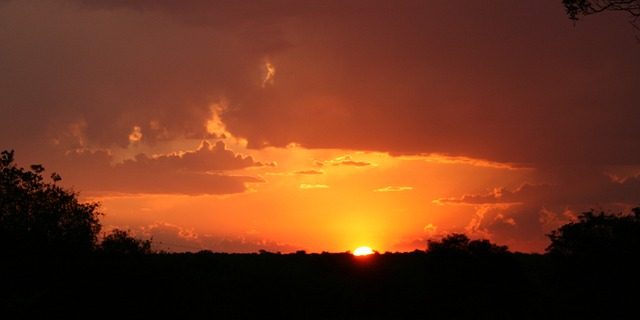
<point>208,285</point>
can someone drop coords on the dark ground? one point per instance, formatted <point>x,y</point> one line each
<point>318,286</point>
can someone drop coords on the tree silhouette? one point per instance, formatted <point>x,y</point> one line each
<point>473,273</point>
<point>596,257</point>
<point>597,235</point>
<point>40,218</point>
<point>576,8</point>
<point>120,242</point>
<point>460,244</point>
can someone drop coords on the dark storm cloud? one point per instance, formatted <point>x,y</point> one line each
<point>507,81</point>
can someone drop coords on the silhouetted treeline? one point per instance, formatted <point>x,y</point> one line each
<point>54,265</point>
<point>318,286</point>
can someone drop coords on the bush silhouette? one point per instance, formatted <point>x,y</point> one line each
<point>40,218</point>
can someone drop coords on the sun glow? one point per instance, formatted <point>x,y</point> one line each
<point>363,251</point>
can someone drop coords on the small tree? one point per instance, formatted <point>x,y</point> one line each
<point>39,218</point>
<point>120,242</point>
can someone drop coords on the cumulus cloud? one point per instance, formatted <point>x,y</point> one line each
<point>206,158</point>
<point>202,171</point>
<point>174,238</point>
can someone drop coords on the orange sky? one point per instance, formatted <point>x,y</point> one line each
<point>237,126</point>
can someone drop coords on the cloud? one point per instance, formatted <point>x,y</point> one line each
<point>206,158</point>
<point>146,72</point>
<point>440,158</point>
<point>393,189</point>
<point>624,191</point>
<point>523,216</point>
<point>247,244</point>
<point>430,229</point>
<point>345,161</point>
<point>313,186</point>
<point>171,237</point>
<point>231,13</point>
<point>199,172</point>
<point>309,172</point>
<point>163,236</point>
<point>174,238</point>
<point>271,72</point>
<point>503,196</point>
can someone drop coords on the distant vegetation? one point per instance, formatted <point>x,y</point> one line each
<point>54,264</point>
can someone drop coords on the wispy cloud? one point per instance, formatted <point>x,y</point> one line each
<point>393,189</point>
<point>313,186</point>
<point>445,159</point>
<point>344,161</point>
<point>309,172</point>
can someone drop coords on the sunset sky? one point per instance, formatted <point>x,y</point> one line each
<point>236,126</point>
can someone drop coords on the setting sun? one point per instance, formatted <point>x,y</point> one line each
<point>363,251</point>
